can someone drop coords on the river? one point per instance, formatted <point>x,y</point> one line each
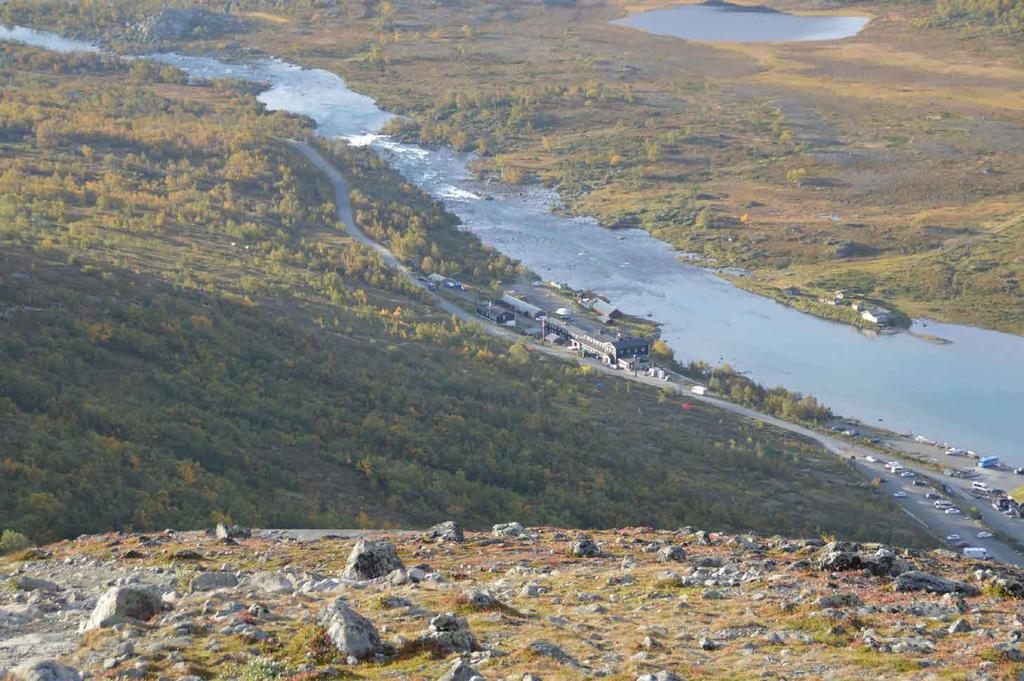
<point>969,392</point>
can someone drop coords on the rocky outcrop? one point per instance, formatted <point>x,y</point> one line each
<point>507,530</point>
<point>448,531</point>
<point>915,580</point>
<point>843,556</point>
<point>120,605</point>
<point>461,670</point>
<point>353,635</point>
<point>176,24</point>
<point>372,559</point>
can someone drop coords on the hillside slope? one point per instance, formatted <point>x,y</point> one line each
<point>187,336</point>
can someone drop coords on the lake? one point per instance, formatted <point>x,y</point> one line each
<point>970,392</point>
<point>724,22</point>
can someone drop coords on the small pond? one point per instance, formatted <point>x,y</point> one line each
<point>724,22</point>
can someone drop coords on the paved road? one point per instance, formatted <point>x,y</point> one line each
<point>914,504</point>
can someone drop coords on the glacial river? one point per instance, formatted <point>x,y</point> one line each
<point>970,392</point>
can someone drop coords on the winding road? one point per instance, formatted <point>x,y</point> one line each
<point>914,504</point>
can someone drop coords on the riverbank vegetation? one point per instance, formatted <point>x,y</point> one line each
<point>187,336</point>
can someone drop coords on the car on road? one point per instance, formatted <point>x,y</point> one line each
<point>900,495</point>
<point>907,474</point>
<point>920,483</point>
<point>933,495</point>
<point>952,511</point>
<point>984,535</point>
<point>953,537</point>
<point>870,459</point>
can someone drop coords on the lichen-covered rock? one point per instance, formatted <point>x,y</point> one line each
<point>449,633</point>
<point>585,547</point>
<point>123,604</point>
<point>916,580</point>
<point>672,554</point>
<point>507,530</point>
<point>460,670</point>
<point>43,670</point>
<point>352,634</point>
<point>271,583</point>
<point>372,559</point>
<point>448,531</point>
<point>213,581</point>
<point>223,531</point>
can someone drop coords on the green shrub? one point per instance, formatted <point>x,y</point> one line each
<point>11,541</point>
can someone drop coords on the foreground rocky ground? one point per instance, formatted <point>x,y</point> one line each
<point>535,603</point>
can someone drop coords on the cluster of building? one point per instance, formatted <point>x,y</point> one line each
<point>880,316</point>
<point>622,352</point>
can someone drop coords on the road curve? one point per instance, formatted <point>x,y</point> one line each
<point>939,524</point>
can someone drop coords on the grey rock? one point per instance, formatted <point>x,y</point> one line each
<point>549,650</point>
<point>352,634</point>
<point>706,643</point>
<point>960,626</point>
<point>223,531</point>
<point>460,670</point>
<point>372,559</point>
<point>213,581</point>
<point>448,531</point>
<point>916,580</point>
<point>271,583</point>
<point>43,670</point>
<point>584,547</point>
<point>673,554</point>
<point>123,604</point>
<point>507,530</point>
<point>449,633</point>
<point>660,676</point>
<point>481,600</point>
<point>27,583</point>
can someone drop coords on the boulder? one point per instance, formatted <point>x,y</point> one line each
<point>672,554</point>
<point>460,670</point>
<point>448,531</point>
<point>213,581</point>
<point>449,633</point>
<point>507,530</point>
<point>26,583</point>
<point>660,676</point>
<point>584,547</point>
<point>223,531</point>
<point>122,604</point>
<point>372,559</point>
<point>43,670</point>
<point>916,580</point>
<point>352,634</point>
<point>271,583</point>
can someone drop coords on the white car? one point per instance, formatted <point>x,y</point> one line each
<point>984,535</point>
<point>900,495</point>
<point>953,537</point>
<point>952,511</point>
<point>870,459</point>
<point>907,474</point>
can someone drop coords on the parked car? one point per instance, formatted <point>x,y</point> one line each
<point>907,474</point>
<point>952,511</point>
<point>953,537</point>
<point>920,483</point>
<point>900,495</point>
<point>933,495</point>
<point>870,459</point>
<point>984,535</point>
